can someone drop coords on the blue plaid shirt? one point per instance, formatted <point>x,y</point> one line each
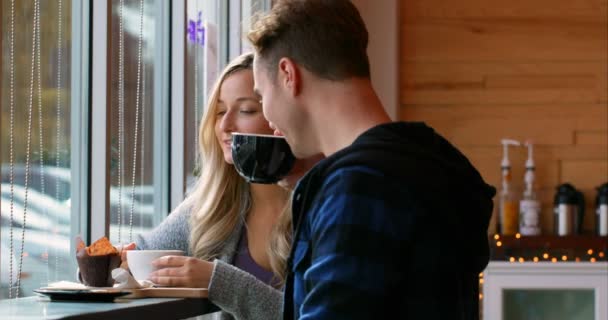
<point>344,255</point>
<point>367,244</point>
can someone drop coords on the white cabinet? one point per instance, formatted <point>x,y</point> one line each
<point>545,290</point>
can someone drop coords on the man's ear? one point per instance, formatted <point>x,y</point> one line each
<point>289,76</point>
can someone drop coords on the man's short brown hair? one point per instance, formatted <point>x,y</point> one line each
<point>327,37</point>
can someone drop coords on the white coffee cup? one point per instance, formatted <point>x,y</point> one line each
<point>140,261</point>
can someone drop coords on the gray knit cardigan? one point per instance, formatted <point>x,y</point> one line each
<point>239,294</point>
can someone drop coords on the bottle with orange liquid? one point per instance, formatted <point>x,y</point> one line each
<point>508,207</point>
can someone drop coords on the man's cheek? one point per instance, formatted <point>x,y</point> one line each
<point>265,113</point>
<point>269,113</point>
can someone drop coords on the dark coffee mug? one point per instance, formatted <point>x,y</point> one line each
<point>261,158</point>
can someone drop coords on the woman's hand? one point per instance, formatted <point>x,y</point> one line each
<point>179,271</point>
<point>123,254</point>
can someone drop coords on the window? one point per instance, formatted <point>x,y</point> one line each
<point>137,109</point>
<point>243,12</point>
<point>215,34</point>
<point>39,191</point>
<point>102,166</point>
<point>203,62</point>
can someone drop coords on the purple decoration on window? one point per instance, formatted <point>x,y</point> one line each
<point>192,30</point>
<point>196,30</point>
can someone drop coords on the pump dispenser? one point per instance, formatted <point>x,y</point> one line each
<point>508,217</point>
<point>529,206</point>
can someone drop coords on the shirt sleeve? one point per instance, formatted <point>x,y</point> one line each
<point>356,235</point>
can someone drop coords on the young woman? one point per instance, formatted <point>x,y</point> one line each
<point>236,234</point>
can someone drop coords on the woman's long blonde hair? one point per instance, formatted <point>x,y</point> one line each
<point>221,197</point>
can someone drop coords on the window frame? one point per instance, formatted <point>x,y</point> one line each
<point>90,107</point>
<point>178,93</point>
<point>99,214</point>
<point>90,210</point>
<point>99,186</point>
<point>231,34</point>
<point>79,122</point>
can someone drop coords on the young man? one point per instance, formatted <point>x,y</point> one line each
<point>394,220</point>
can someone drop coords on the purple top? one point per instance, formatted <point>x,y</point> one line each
<point>244,261</point>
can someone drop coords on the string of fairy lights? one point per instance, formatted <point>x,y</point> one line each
<point>543,255</point>
<point>553,255</point>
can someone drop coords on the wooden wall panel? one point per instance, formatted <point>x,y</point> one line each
<point>483,96</point>
<point>480,125</point>
<point>588,174</point>
<point>534,111</point>
<point>474,131</point>
<point>504,82</point>
<point>502,39</point>
<point>479,71</point>
<point>595,9</point>
<point>593,138</point>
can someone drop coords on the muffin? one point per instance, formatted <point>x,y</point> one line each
<point>96,262</point>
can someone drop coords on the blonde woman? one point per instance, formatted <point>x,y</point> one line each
<point>236,233</point>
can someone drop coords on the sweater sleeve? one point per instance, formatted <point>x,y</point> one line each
<point>172,234</point>
<point>242,294</point>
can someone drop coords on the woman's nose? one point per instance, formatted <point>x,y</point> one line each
<point>227,122</point>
